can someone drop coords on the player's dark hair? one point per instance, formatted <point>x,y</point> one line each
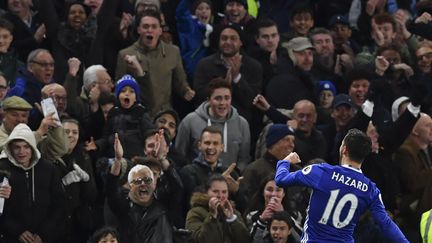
<point>358,145</point>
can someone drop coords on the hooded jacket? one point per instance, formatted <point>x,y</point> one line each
<point>235,130</point>
<point>37,199</point>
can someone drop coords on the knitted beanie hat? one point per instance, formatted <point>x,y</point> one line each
<point>276,132</point>
<point>127,80</point>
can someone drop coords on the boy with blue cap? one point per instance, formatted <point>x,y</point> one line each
<point>129,119</point>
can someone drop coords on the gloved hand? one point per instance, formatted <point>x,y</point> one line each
<point>81,173</point>
<point>70,178</point>
<point>75,175</point>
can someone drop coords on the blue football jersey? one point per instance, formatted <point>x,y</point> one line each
<point>341,194</point>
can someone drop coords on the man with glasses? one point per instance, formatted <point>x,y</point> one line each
<point>59,96</point>
<point>39,72</point>
<point>141,217</point>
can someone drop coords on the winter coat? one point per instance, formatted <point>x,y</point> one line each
<point>81,195</point>
<point>24,41</point>
<point>164,67</point>
<point>235,129</point>
<point>197,174</point>
<point>131,125</point>
<point>9,66</point>
<point>37,200</point>
<point>193,37</point>
<point>416,181</point>
<point>290,85</point>
<point>137,223</point>
<point>207,229</point>
<point>28,88</point>
<point>256,171</point>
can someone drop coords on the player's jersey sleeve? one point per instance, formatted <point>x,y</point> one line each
<point>388,227</point>
<point>309,176</point>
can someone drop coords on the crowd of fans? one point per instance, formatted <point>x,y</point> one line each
<point>163,121</point>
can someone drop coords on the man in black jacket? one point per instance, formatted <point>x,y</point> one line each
<point>141,217</point>
<point>35,208</point>
<point>293,82</point>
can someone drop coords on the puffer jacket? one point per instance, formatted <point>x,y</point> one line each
<point>131,125</point>
<point>207,229</point>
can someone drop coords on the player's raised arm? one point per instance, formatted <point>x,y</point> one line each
<point>283,167</point>
<point>301,177</point>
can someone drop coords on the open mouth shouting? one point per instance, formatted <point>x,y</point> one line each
<point>125,102</point>
<point>143,192</point>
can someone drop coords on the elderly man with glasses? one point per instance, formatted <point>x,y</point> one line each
<point>39,72</point>
<point>141,217</point>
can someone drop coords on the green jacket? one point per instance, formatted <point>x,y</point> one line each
<point>207,229</point>
<point>164,66</point>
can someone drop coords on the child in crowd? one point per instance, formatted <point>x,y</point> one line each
<point>105,234</point>
<point>129,119</point>
<point>9,63</point>
<point>327,92</point>
<point>301,22</point>
<point>279,229</point>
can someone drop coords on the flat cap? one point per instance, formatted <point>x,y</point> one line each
<point>16,103</point>
<point>298,44</point>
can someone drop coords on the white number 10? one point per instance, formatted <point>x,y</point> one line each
<point>339,206</point>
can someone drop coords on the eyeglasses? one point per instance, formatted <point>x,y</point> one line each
<point>59,98</point>
<point>139,181</point>
<point>44,64</point>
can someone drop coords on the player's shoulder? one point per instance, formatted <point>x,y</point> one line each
<point>316,168</point>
